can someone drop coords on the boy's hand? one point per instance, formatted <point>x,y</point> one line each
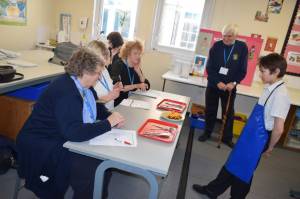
<point>268,152</point>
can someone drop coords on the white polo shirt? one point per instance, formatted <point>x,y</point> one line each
<point>101,89</point>
<point>278,104</point>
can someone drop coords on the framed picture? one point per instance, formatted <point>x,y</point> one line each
<point>274,6</point>
<point>199,65</point>
<point>13,12</point>
<point>291,47</point>
<point>270,44</point>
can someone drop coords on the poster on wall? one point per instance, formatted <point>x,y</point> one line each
<point>13,12</point>
<point>261,16</point>
<point>292,49</point>
<point>203,44</point>
<point>294,38</point>
<point>254,47</point>
<point>270,44</point>
<point>274,6</point>
<point>65,27</point>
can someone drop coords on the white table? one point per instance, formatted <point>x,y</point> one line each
<point>44,71</point>
<point>254,90</point>
<point>149,158</point>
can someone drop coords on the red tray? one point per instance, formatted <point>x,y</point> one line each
<point>172,105</point>
<point>153,128</point>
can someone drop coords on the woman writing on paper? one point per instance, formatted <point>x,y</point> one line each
<point>66,111</point>
<point>128,70</point>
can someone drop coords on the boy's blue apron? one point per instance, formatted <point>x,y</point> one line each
<point>246,154</point>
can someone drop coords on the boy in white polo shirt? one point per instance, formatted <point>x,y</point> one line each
<point>262,131</point>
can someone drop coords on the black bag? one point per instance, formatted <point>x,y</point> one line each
<point>7,74</point>
<point>62,53</point>
<point>7,154</point>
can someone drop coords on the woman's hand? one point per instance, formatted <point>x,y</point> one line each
<point>116,119</point>
<point>142,86</point>
<point>114,93</point>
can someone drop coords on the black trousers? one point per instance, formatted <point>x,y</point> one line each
<point>239,189</point>
<point>212,96</point>
<point>82,178</point>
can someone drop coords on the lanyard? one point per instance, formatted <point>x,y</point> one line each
<point>131,77</point>
<point>104,83</point>
<point>226,60</point>
<point>83,93</point>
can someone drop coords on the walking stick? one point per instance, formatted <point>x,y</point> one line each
<point>224,119</point>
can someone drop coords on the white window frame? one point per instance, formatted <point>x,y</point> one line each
<point>206,21</point>
<point>97,19</point>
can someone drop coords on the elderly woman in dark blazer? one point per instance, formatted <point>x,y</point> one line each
<point>128,70</point>
<point>66,111</point>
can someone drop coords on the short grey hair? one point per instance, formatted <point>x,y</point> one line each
<point>230,28</point>
<point>99,48</point>
<point>83,60</point>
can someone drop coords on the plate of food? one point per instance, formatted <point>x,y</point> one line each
<point>172,116</point>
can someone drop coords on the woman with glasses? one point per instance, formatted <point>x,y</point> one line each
<point>66,111</point>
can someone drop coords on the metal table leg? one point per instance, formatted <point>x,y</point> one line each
<point>163,88</point>
<point>186,165</point>
<point>99,176</point>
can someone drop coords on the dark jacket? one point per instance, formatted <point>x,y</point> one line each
<point>236,64</point>
<point>119,70</point>
<point>55,119</point>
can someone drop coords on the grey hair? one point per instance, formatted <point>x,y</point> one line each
<point>99,48</point>
<point>83,60</point>
<point>230,28</point>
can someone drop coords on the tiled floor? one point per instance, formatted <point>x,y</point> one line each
<point>273,179</point>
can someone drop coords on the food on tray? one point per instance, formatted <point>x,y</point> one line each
<point>174,116</point>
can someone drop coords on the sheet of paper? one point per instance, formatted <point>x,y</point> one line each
<point>150,93</point>
<point>116,137</point>
<point>141,104</point>
<point>126,102</point>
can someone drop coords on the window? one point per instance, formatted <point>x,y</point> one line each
<point>177,24</point>
<point>115,15</point>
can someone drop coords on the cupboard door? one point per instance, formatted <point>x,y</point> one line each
<point>14,112</point>
<point>292,137</point>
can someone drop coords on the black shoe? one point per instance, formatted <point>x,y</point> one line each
<point>229,143</point>
<point>203,137</point>
<point>202,190</point>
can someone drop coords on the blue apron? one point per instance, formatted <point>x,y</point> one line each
<point>246,154</point>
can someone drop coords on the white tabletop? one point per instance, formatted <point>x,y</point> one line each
<point>151,155</point>
<point>44,70</point>
<point>254,90</point>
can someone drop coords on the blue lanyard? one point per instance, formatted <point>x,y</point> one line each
<point>84,96</point>
<point>131,77</point>
<point>104,84</point>
<point>226,60</point>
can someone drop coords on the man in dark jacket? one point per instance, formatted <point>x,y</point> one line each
<point>226,67</point>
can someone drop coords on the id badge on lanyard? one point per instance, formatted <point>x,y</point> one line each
<point>224,70</point>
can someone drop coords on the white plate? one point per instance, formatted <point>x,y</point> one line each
<point>165,114</point>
